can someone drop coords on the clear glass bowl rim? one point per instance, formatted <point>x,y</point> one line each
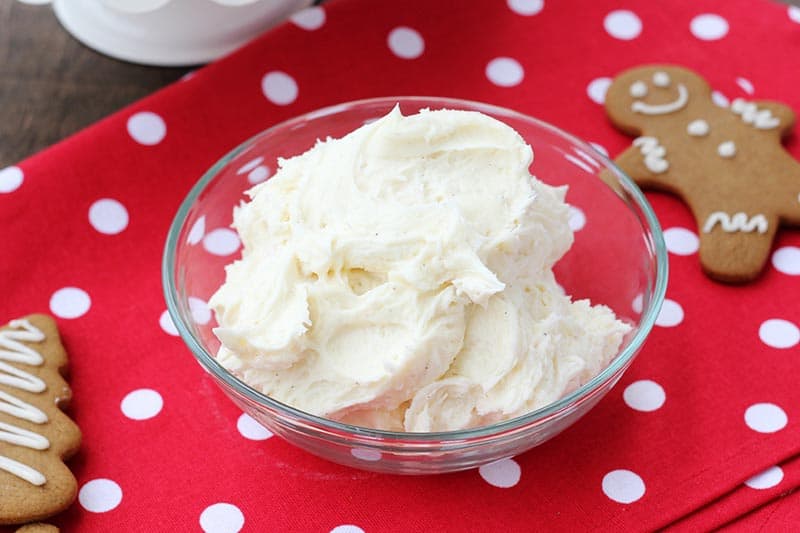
<point>209,362</point>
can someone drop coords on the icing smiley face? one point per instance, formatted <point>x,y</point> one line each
<point>662,80</point>
<point>726,163</point>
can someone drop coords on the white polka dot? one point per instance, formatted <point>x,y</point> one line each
<point>577,219</point>
<point>671,314</point>
<point>141,404</point>
<point>147,128</point>
<point>638,303</point>
<point>504,473</point>
<point>597,89</point>
<point>406,42</point>
<point>794,14</point>
<point>746,85</point>
<point>681,241</point>
<point>166,323</point>
<point>258,174</point>
<point>197,231</point>
<point>623,24</point>
<point>200,311</point>
<point>221,518</point>
<point>312,18</point>
<point>250,429</point>
<point>347,528</point>
<point>70,302</point>
<point>644,395</point>
<point>779,333</point>
<point>108,216</point>
<point>709,27</point>
<point>526,7</point>
<point>765,418</point>
<point>221,241</point>
<point>720,99</point>
<point>504,71</point>
<point>100,495</point>
<point>250,165</point>
<point>365,454</point>
<point>10,179</point>
<point>766,479</point>
<point>279,88</point>
<point>623,486</point>
<point>787,260</point>
<point>599,147</point>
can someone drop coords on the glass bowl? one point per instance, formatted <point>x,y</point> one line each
<point>618,259</point>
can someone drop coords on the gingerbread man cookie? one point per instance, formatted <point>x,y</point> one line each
<point>35,434</point>
<point>726,163</point>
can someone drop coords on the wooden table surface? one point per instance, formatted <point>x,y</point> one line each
<point>51,85</point>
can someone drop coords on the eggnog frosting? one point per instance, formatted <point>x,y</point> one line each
<point>401,278</point>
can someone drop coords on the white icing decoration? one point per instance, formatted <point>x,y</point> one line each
<point>761,119</point>
<point>653,154</point>
<point>34,477</point>
<point>638,89</point>
<point>738,222</point>
<point>14,377</point>
<point>698,128</point>
<point>661,79</point>
<point>22,437</point>
<point>13,406</point>
<point>12,350</point>
<point>663,109</point>
<point>727,149</point>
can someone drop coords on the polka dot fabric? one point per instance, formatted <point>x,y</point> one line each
<point>691,436</point>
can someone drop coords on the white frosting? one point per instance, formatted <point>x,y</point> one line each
<point>400,277</point>
<point>736,222</point>
<point>23,471</point>
<point>661,79</point>
<point>653,154</point>
<point>24,411</point>
<point>638,89</point>
<point>12,349</point>
<point>663,109</point>
<point>761,119</point>
<point>727,149</point>
<point>698,128</point>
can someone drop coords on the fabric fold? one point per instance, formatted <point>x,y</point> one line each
<point>711,400</point>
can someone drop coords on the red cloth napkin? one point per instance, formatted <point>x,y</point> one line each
<point>711,401</point>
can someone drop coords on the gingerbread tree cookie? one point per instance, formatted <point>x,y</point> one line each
<point>35,435</point>
<point>726,163</point>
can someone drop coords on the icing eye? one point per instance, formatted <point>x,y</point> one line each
<point>661,79</point>
<point>638,89</point>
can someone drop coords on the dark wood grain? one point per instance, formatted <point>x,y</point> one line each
<point>51,85</point>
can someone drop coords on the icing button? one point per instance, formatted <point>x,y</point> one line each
<point>726,149</point>
<point>698,128</point>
